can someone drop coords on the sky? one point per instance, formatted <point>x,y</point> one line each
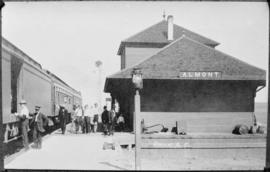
<point>68,37</point>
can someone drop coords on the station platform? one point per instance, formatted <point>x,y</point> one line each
<point>74,152</point>
<point>162,151</point>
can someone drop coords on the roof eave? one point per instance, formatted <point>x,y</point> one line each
<point>106,86</point>
<point>212,45</point>
<point>217,44</point>
<point>123,43</point>
<point>120,49</point>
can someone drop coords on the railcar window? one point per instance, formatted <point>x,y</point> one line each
<point>65,99</point>
<point>58,97</point>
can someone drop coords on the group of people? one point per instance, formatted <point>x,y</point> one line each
<point>35,121</point>
<point>110,119</point>
<point>85,119</point>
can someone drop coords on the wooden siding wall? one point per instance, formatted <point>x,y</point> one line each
<point>197,96</point>
<point>134,55</point>
<point>123,59</point>
<point>36,89</point>
<point>6,86</point>
<point>201,122</point>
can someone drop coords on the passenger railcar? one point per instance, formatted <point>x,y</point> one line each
<point>24,78</point>
<point>63,94</point>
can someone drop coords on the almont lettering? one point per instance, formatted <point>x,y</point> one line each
<point>200,75</point>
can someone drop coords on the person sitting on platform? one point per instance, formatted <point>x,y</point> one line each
<point>121,122</point>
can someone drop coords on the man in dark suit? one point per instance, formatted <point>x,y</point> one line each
<point>63,115</point>
<point>112,120</point>
<point>39,120</point>
<point>105,120</point>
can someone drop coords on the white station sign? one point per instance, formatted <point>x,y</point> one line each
<point>200,75</point>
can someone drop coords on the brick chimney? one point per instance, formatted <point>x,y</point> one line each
<point>170,28</point>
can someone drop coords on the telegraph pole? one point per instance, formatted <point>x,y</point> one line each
<point>137,79</point>
<point>137,115</point>
<point>99,66</point>
<point>267,161</point>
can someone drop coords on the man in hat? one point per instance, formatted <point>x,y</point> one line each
<point>39,120</point>
<point>79,116</point>
<point>63,115</point>
<point>112,120</point>
<point>95,117</point>
<point>105,120</point>
<point>88,117</point>
<point>24,120</point>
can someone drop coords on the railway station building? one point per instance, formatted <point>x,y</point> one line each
<point>185,78</point>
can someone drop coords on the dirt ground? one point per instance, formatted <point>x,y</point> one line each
<point>203,159</point>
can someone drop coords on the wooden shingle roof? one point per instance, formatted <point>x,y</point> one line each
<point>158,34</point>
<point>186,54</point>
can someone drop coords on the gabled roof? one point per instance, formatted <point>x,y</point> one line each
<point>158,34</point>
<point>185,54</point>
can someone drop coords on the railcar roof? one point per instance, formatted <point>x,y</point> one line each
<point>60,80</point>
<point>22,54</point>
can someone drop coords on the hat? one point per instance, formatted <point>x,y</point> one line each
<point>37,107</point>
<point>22,102</point>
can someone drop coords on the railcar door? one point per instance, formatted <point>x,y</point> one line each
<point>16,66</point>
